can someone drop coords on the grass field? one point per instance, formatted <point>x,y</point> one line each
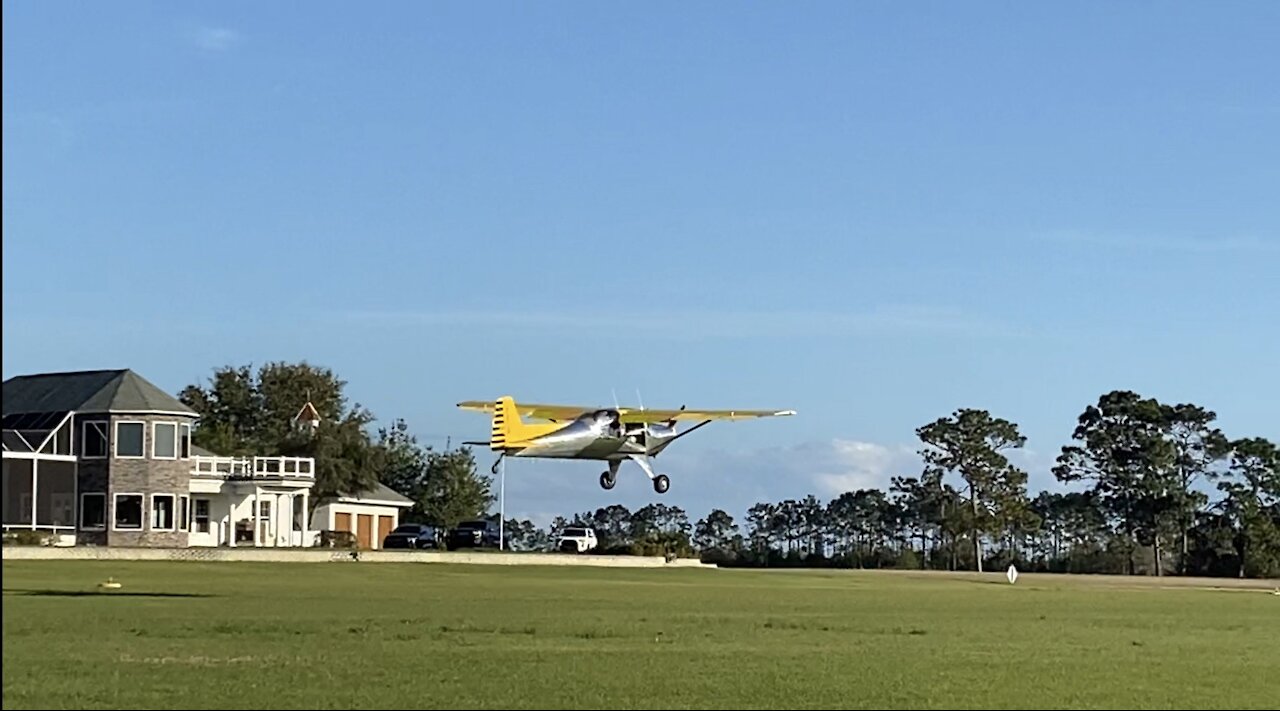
<point>223,635</point>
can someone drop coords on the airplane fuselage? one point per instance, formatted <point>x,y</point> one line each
<point>597,435</point>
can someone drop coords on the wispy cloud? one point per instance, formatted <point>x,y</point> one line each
<point>692,324</point>
<point>216,39</point>
<point>1206,244</point>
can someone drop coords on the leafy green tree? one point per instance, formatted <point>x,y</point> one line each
<point>1252,505</point>
<point>1125,453</point>
<point>919,513</point>
<point>971,443</point>
<point>612,525</point>
<point>1198,445</point>
<point>715,532</point>
<point>244,415</point>
<point>405,467</point>
<point>455,491</point>
<point>523,535</point>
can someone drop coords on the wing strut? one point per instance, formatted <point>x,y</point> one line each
<point>700,424</point>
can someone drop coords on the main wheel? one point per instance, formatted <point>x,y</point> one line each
<point>661,483</point>
<point>607,481</point>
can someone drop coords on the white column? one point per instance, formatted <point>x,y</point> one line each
<point>273,523</point>
<point>286,524</point>
<point>283,523</point>
<point>35,470</point>
<point>256,537</point>
<point>306,513</point>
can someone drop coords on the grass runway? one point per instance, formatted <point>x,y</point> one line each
<point>384,635</point>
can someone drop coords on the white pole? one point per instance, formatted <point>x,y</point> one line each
<point>35,490</point>
<point>502,505</point>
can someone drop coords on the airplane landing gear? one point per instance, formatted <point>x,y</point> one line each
<point>660,481</point>
<point>610,478</point>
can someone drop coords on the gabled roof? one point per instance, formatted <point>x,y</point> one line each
<point>378,493</point>
<point>86,391</point>
<point>308,413</point>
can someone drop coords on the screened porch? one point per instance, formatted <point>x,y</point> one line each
<point>39,476</point>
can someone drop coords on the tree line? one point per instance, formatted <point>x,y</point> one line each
<point>1153,489</point>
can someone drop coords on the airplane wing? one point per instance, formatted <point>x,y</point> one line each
<point>637,415</point>
<point>628,414</point>
<point>531,410</point>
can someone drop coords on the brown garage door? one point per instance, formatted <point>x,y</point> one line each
<point>384,529</point>
<point>364,530</point>
<point>342,522</point>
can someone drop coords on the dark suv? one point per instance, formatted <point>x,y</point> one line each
<point>412,535</point>
<point>474,534</point>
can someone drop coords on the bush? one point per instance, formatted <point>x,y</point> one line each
<point>28,538</point>
<point>337,539</point>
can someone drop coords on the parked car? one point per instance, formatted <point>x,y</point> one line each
<point>412,535</point>
<point>474,534</point>
<point>576,539</point>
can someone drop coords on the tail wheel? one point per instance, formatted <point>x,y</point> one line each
<point>661,483</point>
<point>607,480</point>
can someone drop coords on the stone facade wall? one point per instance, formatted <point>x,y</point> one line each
<point>147,476</point>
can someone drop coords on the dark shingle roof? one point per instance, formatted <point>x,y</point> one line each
<point>87,391</point>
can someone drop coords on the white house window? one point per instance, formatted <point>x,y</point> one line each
<point>128,512</point>
<point>129,436</point>
<point>184,441</point>
<point>93,440</point>
<point>93,511</point>
<point>164,440</point>
<point>201,516</point>
<point>162,512</point>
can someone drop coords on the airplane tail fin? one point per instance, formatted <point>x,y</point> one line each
<point>508,427</point>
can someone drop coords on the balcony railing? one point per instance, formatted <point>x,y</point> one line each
<point>254,467</point>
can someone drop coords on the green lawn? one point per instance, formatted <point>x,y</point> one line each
<point>366,635</point>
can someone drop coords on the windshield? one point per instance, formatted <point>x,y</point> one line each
<point>576,532</point>
<point>472,524</point>
<point>409,528</point>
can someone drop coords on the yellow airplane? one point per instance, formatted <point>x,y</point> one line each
<point>605,434</point>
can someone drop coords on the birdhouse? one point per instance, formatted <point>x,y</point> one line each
<point>308,416</point>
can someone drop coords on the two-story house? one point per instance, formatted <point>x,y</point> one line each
<point>105,457</point>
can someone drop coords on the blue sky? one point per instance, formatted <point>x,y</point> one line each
<point>872,213</point>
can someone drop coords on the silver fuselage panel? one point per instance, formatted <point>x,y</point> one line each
<point>600,435</point>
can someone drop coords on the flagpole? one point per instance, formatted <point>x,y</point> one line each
<point>502,506</point>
